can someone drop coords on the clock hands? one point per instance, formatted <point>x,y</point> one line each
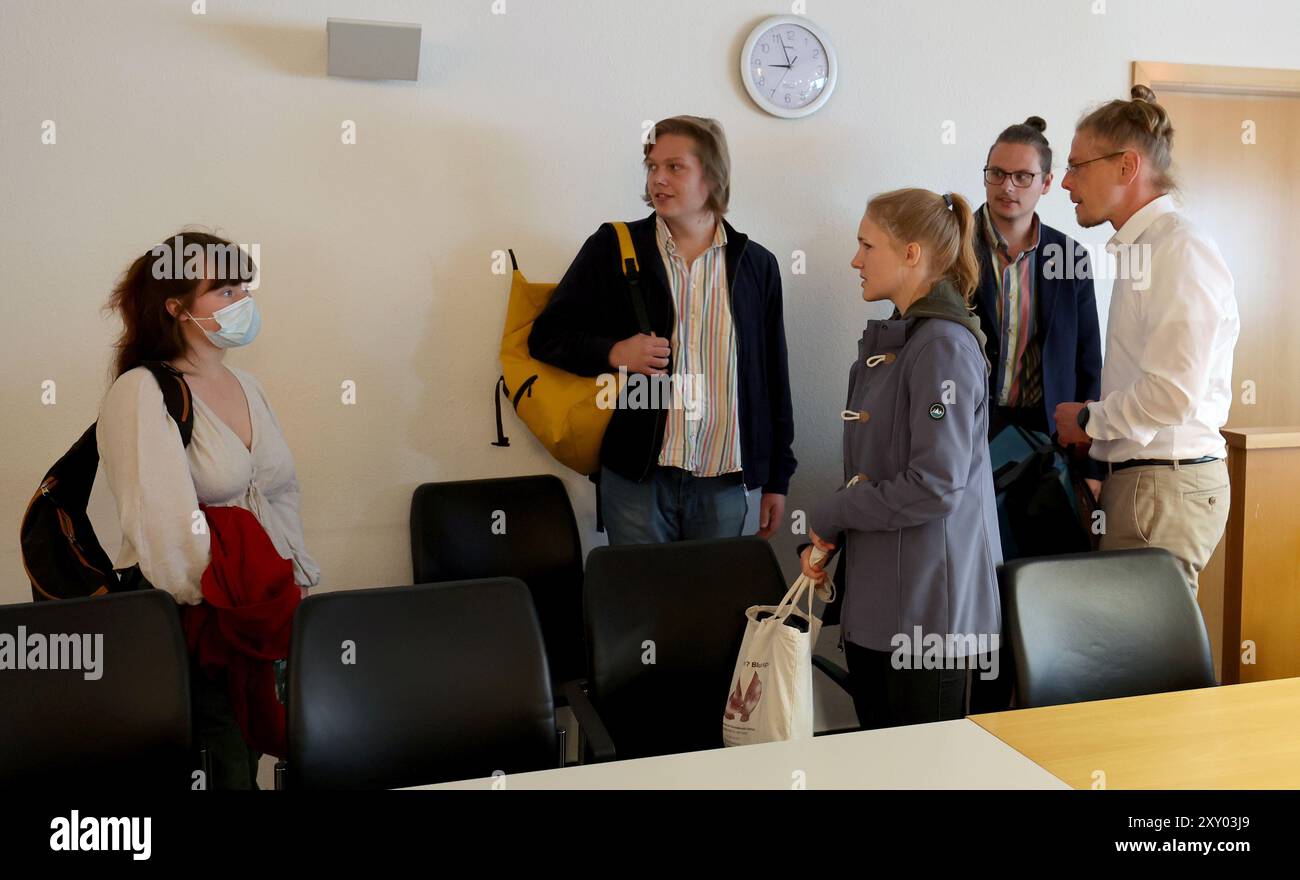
<point>782,79</point>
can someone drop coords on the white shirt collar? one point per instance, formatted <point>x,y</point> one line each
<point>1141,221</point>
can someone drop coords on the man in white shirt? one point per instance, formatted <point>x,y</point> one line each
<point>1166,382</point>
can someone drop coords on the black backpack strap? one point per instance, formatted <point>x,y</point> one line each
<point>498,391</point>
<point>632,272</point>
<point>600,508</point>
<point>176,395</point>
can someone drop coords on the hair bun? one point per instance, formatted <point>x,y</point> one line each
<point>1037,123</point>
<point>1142,93</point>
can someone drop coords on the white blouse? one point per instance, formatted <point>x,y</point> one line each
<point>158,483</point>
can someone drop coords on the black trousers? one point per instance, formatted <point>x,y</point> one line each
<point>234,764</point>
<point>887,697</point>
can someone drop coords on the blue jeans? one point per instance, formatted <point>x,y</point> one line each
<point>672,505</point>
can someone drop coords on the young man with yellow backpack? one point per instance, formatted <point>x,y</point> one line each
<point>689,330</point>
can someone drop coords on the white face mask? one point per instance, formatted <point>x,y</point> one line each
<point>239,322</point>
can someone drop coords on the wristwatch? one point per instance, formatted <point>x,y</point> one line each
<point>1083,418</point>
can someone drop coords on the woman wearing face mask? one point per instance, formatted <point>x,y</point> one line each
<point>916,517</point>
<point>237,455</point>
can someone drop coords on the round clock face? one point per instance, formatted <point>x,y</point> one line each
<point>789,67</point>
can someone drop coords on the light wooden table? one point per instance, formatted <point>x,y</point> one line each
<point>943,755</point>
<point>1239,736</point>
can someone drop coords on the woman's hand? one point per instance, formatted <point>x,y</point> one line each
<point>816,572</point>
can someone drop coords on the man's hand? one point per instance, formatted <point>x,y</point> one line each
<point>770,512</point>
<point>641,354</point>
<point>1068,432</point>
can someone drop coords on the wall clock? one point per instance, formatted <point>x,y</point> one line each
<point>788,65</point>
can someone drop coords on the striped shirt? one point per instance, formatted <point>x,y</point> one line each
<point>1020,366</point>
<point>703,439</point>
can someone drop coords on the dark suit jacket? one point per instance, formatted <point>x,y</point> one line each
<point>1067,319</point>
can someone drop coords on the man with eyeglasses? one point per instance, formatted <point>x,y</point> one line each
<point>1036,305</point>
<point>1035,299</point>
<point>1166,389</point>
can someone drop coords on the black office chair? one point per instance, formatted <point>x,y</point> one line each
<point>456,534</point>
<point>684,602</point>
<point>1095,626</point>
<point>416,685</point>
<point>127,729</point>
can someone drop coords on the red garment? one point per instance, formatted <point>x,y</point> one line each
<point>244,622</point>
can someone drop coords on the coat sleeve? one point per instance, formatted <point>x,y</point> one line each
<point>783,463</point>
<point>567,333</point>
<point>148,471</point>
<point>1087,358</point>
<point>930,486</point>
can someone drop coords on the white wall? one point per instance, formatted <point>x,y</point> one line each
<point>523,131</point>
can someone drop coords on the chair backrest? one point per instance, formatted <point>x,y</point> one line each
<point>521,527</point>
<point>664,625</point>
<point>1095,626</point>
<point>104,700</point>
<point>415,685</point>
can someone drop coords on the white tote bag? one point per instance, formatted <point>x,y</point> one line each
<point>771,696</point>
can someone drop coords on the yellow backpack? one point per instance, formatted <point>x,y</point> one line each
<point>559,407</point>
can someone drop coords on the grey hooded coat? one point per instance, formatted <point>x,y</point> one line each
<point>920,527</point>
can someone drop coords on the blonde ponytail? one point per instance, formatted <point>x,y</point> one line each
<point>942,224</point>
<point>965,270</point>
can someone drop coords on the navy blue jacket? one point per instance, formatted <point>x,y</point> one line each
<point>1067,320</point>
<point>591,310</point>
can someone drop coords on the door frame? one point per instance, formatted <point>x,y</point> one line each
<point>1222,603</point>
<point>1171,77</point>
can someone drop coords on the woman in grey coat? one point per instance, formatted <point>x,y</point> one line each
<point>916,516</point>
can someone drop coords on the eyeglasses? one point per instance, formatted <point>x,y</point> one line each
<point>995,176</point>
<point>1073,169</point>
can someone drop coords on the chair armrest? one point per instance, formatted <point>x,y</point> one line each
<point>594,734</point>
<point>205,767</point>
<point>833,671</point>
<point>839,676</point>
